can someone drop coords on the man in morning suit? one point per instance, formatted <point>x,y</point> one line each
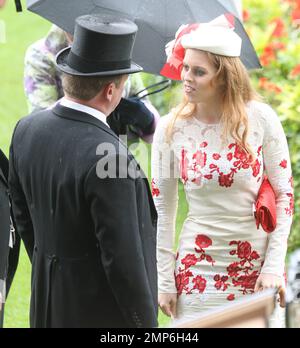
<point>90,234</point>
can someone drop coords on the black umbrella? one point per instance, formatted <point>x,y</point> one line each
<point>158,21</point>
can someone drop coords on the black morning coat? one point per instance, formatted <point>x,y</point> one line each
<point>8,256</point>
<point>91,241</point>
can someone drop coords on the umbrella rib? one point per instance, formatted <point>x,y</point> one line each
<point>187,6</point>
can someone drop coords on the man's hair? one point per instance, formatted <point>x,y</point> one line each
<point>87,87</point>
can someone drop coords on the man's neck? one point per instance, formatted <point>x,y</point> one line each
<point>89,103</point>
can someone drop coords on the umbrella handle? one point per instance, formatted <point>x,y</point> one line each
<point>18,5</point>
<point>165,83</point>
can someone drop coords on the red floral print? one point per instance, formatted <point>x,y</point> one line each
<point>220,282</point>
<point>244,250</point>
<point>189,260</point>
<point>256,168</point>
<point>290,210</point>
<point>231,297</point>
<point>204,144</point>
<point>203,241</point>
<point>200,158</point>
<point>199,284</point>
<point>182,280</point>
<point>259,150</point>
<point>208,177</point>
<point>155,190</point>
<point>291,181</point>
<point>226,180</point>
<point>216,156</point>
<point>184,166</point>
<point>241,272</point>
<point>283,164</point>
<point>230,156</point>
<point>183,276</point>
<point>233,269</point>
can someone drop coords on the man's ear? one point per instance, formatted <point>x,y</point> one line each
<point>109,91</point>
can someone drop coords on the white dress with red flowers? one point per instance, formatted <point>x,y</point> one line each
<point>221,252</point>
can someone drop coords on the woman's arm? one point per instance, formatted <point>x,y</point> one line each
<point>278,169</point>
<point>165,194</point>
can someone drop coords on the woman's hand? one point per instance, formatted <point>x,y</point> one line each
<point>271,281</point>
<point>168,304</point>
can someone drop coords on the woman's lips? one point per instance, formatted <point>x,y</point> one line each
<point>188,89</point>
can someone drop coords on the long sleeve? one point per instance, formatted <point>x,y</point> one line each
<point>165,193</point>
<point>40,79</point>
<point>278,169</point>
<point>20,208</point>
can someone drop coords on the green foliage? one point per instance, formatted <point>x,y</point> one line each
<point>275,36</point>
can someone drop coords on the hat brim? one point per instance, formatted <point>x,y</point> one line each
<point>61,63</point>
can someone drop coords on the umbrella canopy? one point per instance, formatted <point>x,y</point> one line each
<point>157,20</point>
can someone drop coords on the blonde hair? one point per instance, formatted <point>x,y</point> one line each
<point>234,85</point>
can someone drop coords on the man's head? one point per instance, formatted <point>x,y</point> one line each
<point>97,65</point>
<point>103,93</point>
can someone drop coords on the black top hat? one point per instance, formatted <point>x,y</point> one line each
<point>102,46</point>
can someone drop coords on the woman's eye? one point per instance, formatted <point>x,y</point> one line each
<point>199,72</point>
<point>185,67</point>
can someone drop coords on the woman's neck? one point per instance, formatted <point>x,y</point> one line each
<point>208,113</point>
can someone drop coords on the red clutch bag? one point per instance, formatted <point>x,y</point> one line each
<point>265,207</point>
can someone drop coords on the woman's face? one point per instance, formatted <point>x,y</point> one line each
<point>197,75</point>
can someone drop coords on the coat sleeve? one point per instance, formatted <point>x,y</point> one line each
<point>278,169</point>
<point>165,194</point>
<point>114,210</point>
<point>20,208</point>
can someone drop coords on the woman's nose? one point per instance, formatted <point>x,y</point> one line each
<point>187,76</point>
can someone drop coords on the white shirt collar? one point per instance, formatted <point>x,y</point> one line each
<point>83,108</point>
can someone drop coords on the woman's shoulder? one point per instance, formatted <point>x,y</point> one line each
<point>261,111</point>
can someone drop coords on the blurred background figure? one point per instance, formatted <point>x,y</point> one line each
<point>2,3</point>
<point>293,291</point>
<point>43,88</point>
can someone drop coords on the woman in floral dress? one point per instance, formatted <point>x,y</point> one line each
<point>220,141</point>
